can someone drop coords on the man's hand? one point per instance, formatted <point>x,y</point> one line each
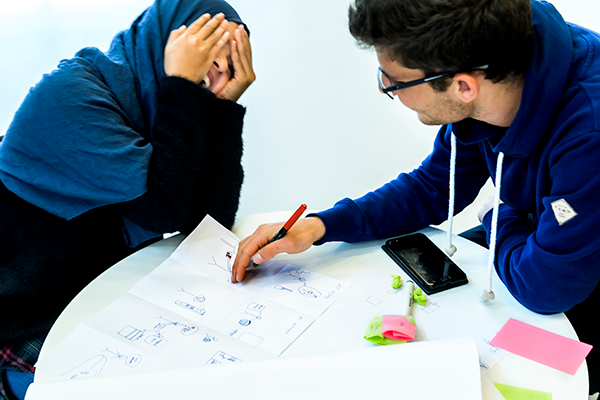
<point>241,57</point>
<point>191,51</point>
<point>257,248</point>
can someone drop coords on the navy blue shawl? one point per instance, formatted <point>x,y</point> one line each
<point>81,138</point>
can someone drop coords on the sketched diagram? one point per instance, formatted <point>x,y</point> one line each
<point>221,357</point>
<point>253,311</point>
<point>208,338</point>
<point>429,307</point>
<point>198,309</point>
<point>155,336</point>
<point>493,349</point>
<point>94,366</point>
<point>483,365</point>
<point>226,263</point>
<point>304,290</point>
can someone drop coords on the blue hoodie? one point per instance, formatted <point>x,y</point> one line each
<point>548,233</point>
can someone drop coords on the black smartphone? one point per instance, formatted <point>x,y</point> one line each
<point>425,263</point>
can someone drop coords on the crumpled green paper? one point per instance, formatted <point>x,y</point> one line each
<point>374,332</point>
<point>397,282</point>
<point>419,296</point>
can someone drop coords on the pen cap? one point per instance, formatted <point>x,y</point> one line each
<point>405,305</point>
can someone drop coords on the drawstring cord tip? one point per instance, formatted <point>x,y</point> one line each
<point>487,296</point>
<point>451,250</point>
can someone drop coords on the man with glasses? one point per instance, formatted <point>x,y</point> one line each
<point>517,92</point>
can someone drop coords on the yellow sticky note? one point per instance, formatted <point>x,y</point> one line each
<point>517,393</point>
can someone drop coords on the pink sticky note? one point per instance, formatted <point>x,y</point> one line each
<point>539,345</point>
<point>397,327</point>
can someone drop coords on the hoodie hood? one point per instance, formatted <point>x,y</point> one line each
<point>545,81</point>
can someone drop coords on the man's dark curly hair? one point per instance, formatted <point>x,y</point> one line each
<point>448,35</point>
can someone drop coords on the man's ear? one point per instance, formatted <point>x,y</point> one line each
<point>466,87</point>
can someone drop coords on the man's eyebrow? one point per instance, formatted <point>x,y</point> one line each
<point>388,76</point>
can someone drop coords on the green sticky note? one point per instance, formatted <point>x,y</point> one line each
<point>517,393</point>
<point>374,333</point>
<point>419,296</point>
<point>397,282</point>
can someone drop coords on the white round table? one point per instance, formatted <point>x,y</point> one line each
<point>341,261</point>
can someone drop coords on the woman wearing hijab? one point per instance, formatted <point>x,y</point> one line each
<point>110,151</point>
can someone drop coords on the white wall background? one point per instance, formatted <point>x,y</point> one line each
<point>316,129</point>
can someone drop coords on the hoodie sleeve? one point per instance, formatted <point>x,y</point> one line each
<point>412,201</point>
<point>549,261</point>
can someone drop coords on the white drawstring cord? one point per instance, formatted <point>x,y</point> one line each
<point>488,294</point>
<point>450,248</point>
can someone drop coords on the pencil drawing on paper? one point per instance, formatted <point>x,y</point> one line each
<point>493,349</point>
<point>226,267</point>
<point>227,263</point>
<point>373,300</point>
<point>93,366</point>
<point>197,298</point>
<point>198,309</point>
<point>221,357</point>
<point>155,336</point>
<point>208,338</point>
<point>253,311</point>
<point>429,307</point>
<point>304,290</point>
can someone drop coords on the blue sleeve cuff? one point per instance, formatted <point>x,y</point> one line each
<point>339,221</point>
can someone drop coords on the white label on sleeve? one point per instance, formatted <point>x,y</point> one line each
<point>563,212</point>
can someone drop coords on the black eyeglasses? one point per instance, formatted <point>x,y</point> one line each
<point>404,85</point>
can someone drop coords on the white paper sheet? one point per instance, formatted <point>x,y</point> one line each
<point>438,370</point>
<point>187,312</point>
<point>370,294</point>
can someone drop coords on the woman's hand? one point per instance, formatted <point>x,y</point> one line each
<point>241,57</point>
<point>191,51</point>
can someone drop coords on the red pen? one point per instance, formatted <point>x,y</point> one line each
<point>290,222</point>
<point>287,226</point>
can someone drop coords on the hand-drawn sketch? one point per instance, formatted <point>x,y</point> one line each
<point>429,307</point>
<point>221,357</point>
<point>94,366</point>
<point>483,365</point>
<point>187,306</point>
<point>89,368</point>
<point>254,310</point>
<point>254,320</point>
<point>208,338</point>
<point>216,264</point>
<point>197,298</point>
<point>309,292</point>
<point>155,336</point>
<point>493,349</point>
<point>373,300</point>
<point>229,256</point>
<point>304,290</point>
